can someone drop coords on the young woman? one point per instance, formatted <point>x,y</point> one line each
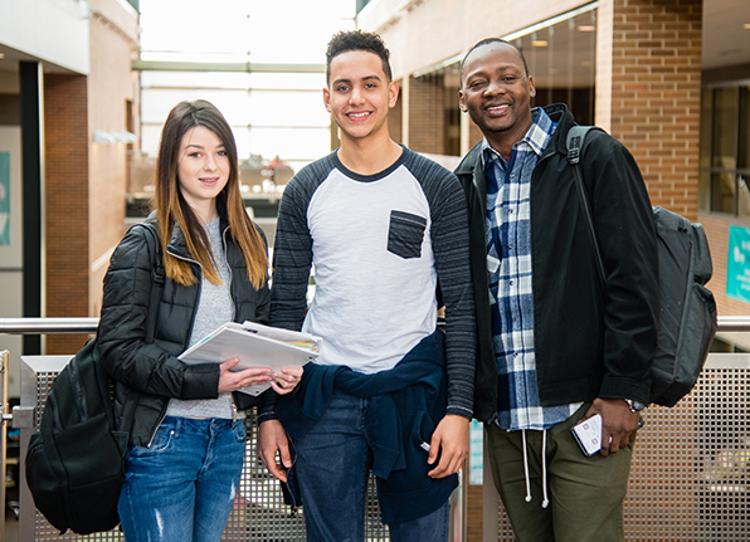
<point>187,431</point>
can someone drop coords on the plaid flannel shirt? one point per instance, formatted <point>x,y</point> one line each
<point>508,230</point>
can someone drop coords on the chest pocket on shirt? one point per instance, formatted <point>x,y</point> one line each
<point>405,234</point>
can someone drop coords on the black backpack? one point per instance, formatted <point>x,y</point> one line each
<point>75,463</point>
<point>687,310</point>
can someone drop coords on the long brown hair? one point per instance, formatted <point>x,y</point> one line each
<point>172,208</point>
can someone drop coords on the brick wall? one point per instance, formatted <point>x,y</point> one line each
<point>394,120</point>
<point>655,94</point>
<point>111,85</point>
<point>426,116</point>
<point>67,199</point>
<point>85,181</point>
<point>475,134</point>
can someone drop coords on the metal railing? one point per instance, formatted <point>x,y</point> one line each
<point>38,372</point>
<point>690,473</point>
<point>495,525</point>
<point>5,417</point>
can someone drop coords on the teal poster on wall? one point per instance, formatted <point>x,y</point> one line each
<point>4,198</point>
<point>476,453</point>
<point>738,263</point>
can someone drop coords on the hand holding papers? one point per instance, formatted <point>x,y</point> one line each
<point>255,345</point>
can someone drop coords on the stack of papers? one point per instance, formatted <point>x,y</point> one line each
<point>255,345</point>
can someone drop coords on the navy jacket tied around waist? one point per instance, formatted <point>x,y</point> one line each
<point>406,403</point>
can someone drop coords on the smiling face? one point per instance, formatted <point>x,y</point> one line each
<point>359,95</point>
<point>496,91</point>
<point>202,170</point>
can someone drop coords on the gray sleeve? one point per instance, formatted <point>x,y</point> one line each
<point>292,260</point>
<point>450,244</point>
<point>292,254</point>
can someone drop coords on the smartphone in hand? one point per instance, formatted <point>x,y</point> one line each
<point>588,435</point>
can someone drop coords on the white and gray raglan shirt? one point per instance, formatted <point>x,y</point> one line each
<point>379,244</point>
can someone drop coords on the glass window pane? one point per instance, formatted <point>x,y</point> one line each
<point>288,108</point>
<point>723,189</point>
<point>150,139</point>
<point>188,28</point>
<point>172,79</point>
<point>744,157</point>
<point>235,31</point>
<point>233,80</point>
<point>233,104</point>
<point>704,183</point>
<point>743,201</point>
<point>725,128</point>
<point>561,59</point>
<point>290,143</point>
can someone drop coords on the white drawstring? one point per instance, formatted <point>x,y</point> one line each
<point>526,466</point>
<point>545,500</point>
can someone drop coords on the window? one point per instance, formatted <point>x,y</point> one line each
<point>562,60</point>
<point>725,150</point>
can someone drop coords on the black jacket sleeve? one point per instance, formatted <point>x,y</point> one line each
<point>626,234</point>
<point>125,354</point>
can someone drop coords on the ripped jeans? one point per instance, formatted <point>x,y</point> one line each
<point>182,487</point>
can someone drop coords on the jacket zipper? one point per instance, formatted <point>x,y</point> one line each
<point>235,410</point>
<point>163,413</point>
<point>534,177</point>
<point>229,266</point>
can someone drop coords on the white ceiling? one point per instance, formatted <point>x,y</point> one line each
<point>725,40</point>
<point>11,58</point>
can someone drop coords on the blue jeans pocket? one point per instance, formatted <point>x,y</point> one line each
<point>239,430</point>
<point>161,441</point>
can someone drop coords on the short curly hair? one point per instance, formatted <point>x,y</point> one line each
<point>490,41</point>
<point>358,40</point>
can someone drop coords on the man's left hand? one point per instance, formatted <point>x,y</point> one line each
<point>619,424</point>
<point>450,441</point>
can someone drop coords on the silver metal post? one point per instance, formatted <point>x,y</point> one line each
<point>39,326</point>
<point>23,417</point>
<point>5,416</point>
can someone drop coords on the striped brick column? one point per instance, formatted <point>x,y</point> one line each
<point>426,114</point>
<point>648,91</point>
<point>66,195</point>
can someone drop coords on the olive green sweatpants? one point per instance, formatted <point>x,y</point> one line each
<point>585,493</point>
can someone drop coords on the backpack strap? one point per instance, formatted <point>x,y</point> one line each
<point>157,282</point>
<point>574,145</point>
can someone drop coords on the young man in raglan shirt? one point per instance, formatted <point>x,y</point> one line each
<point>389,393</point>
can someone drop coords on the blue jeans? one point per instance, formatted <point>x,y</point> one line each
<point>332,467</point>
<point>182,487</point>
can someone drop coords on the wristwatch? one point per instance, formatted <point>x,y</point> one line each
<point>634,406</point>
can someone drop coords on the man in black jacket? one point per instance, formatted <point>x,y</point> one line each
<point>555,343</point>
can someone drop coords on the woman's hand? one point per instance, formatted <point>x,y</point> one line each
<point>286,380</point>
<point>234,380</point>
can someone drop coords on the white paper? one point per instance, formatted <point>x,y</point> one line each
<point>259,346</point>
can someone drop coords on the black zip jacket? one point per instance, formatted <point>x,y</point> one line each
<point>590,340</point>
<point>148,375</point>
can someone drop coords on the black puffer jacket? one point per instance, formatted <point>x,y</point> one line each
<point>148,375</point>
